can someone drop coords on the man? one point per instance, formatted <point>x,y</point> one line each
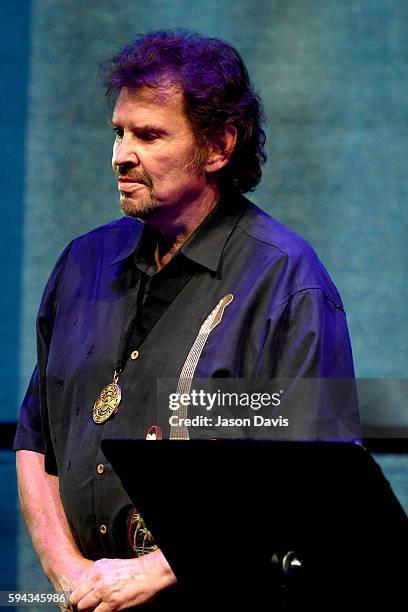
<point>126,302</point>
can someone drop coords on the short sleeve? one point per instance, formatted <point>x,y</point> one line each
<point>309,338</point>
<point>308,351</point>
<point>32,429</point>
<point>29,431</point>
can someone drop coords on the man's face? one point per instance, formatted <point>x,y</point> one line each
<point>153,149</point>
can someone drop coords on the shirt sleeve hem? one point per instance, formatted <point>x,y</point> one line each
<point>28,442</point>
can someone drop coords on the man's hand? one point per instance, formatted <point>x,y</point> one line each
<point>66,582</point>
<point>116,584</point>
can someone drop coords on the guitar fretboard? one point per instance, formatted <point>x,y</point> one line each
<point>180,432</point>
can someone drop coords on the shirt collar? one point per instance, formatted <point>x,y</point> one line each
<point>206,243</point>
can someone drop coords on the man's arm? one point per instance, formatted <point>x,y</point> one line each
<point>62,562</point>
<point>117,583</point>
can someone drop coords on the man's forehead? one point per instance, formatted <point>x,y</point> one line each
<point>163,94</point>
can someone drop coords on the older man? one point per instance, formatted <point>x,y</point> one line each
<point>125,303</point>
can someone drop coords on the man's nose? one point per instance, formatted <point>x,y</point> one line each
<point>124,154</point>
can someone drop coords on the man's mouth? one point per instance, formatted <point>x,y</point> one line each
<point>129,185</point>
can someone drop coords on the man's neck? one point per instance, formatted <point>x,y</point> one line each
<point>178,225</point>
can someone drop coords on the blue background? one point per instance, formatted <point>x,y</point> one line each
<point>334,83</point>
<point>333,78</point>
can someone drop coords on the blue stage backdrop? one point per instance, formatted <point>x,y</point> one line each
<point>334,81</point>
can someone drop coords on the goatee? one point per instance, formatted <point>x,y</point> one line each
<point>143,209</point>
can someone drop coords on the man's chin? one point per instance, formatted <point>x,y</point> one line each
<point>137,210</point>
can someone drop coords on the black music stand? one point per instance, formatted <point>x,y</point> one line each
<point>262,525</point>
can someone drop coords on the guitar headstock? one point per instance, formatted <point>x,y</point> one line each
<point>215,315</point>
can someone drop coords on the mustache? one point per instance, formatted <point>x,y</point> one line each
<point>133,176</point>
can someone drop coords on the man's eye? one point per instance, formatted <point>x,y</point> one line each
<point>148,136</point>
<point>118,132</point>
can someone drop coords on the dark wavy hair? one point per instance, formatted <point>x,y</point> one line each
<point>217,92</point>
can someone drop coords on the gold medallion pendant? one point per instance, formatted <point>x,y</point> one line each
<point>107,402</point>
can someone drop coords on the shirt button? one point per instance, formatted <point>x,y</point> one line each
<point>100,468</point>
<point>134,354</point>
<point>103,529</point>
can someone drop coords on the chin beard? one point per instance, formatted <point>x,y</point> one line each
<point>142,209</point>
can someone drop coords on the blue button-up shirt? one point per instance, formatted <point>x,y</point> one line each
<point>286,321</point>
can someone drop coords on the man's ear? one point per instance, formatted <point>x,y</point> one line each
<point>221,149</point>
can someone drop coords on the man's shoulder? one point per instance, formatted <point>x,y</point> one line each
<point>109,241</point>
<point>259,225</point>
<point>276,242</point>
<point>119,227</point>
